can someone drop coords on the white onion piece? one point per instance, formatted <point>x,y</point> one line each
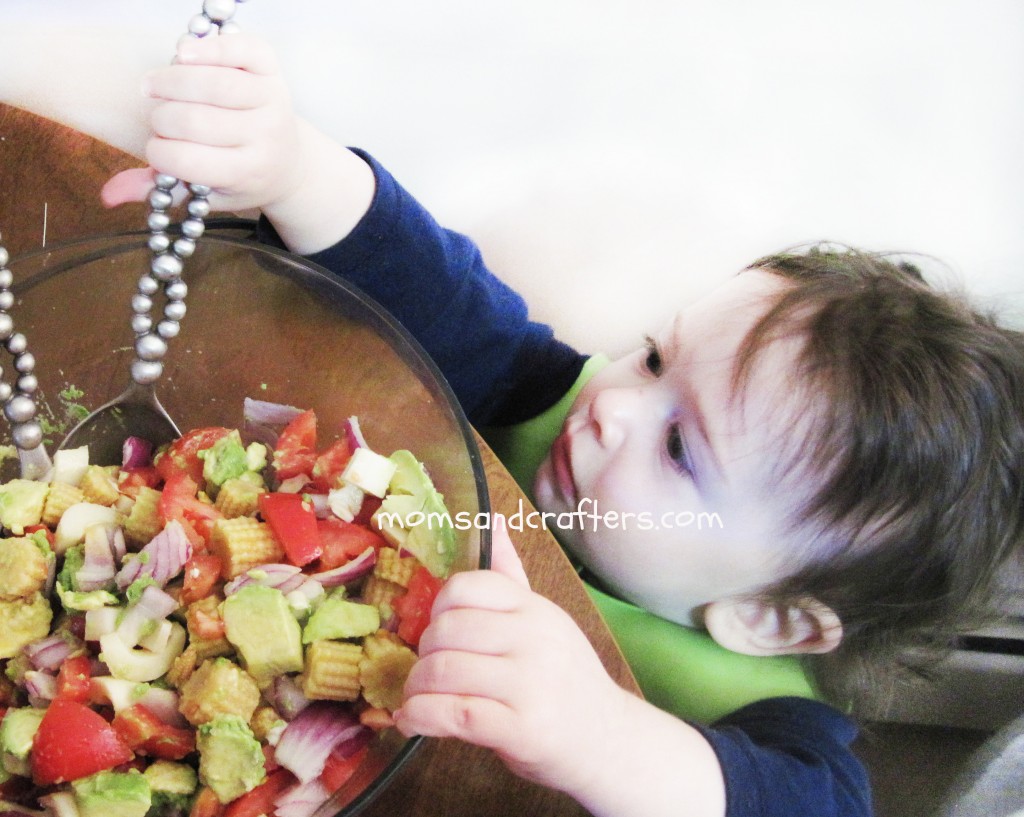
<point>100,621</point>
<point>164,704</point>
<point>162,559</point>
<point>302,800</point>
<point>350,571</point>
<point>311,735</point>
<point>99,564</point>
<point>40,686</point>
<point>153,605</point>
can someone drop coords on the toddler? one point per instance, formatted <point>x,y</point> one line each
<point>855,432</point>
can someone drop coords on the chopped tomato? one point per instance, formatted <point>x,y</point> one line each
<point>366,511</point>
<point>293,522</point>
<point>295,452</point>
<point>144,732</point>
<point>202,572</point>
<point>337,769</point>
<point>29,530</point>
<point>72,742</point>
<point>205,624</point>
<point>73,678</point>
<point>260,800</point>
<point>183,453</point>
<point>342,541</point>
<point>329,465</point>
<point>413,608</point>
<point>143,476</point>
<point>178,500</point>
<point>206,804</point>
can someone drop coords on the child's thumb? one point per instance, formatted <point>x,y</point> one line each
<point>504,558</point>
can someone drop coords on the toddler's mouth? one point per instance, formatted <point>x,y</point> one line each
<point>561,463</point>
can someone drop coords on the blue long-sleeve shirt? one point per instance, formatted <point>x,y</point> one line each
<point>780,757</point>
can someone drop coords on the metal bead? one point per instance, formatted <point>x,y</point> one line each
<point>199,208</point>
<point>6,326</point>
<point>25,363</point>
<point>150,347</point>
<point>160,199</point>
<point>146,371</point>
<point>168,329</point>
<point>141,324</point>
<point>200,190</point>
<point>200,25</point>
<point>4,257</point>
<point>165,181</point>
<point>6,276</point>
<point>219,10</point>
<point>175,311</point>
<point>159,242</point>
<point>28,383</point>
<point>158,222</point>
<point>27,436</point>
<point>6,299</point>
<point>166,266</point>
<point>5,392</point>
<point>20,409</point>
<point>176,290</point>
<point>16,343</point>
<point>148,285</point>
<point>230,27</point>
<point>192,228</point>
<point>184,247</point>
<point>141,304</point>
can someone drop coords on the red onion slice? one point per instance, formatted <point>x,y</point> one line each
<point>48,653</point>
<point>309,738</point>
<point>136,452</point>
<point>302,800</point>
<point>274,574</point>
<point>162,559</point>
<point>350,571</point>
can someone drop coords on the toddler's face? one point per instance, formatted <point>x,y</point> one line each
<point>690,469</point>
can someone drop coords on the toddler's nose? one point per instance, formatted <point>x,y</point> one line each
<point>612,411</point>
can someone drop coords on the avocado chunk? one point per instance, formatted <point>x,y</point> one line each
<point>337,617</point>
<point>173,786</point>
<point>230,758</point>
<point>112,794</point>
<point>429,534</point>
<point>21,504</point>
<point>259,621</point>
<point>17,731</point>
<point>228,459</point>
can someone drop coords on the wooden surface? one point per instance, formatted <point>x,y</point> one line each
<point>49,192</point>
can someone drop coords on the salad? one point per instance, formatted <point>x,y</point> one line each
<point>219,627</point>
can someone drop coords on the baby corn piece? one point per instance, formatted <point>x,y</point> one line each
<point>59,498</point>
<point>386,664</point>
<point>144,522</point>
<point>218,687</point>
<point>238,497</point>
<point>332,671</point>
<point>394,568</point>
<point>99,486</point>
<point>381,593</point>
<point>243,543</point>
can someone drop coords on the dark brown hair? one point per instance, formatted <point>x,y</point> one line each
<point>917,443</point>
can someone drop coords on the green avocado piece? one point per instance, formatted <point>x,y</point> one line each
<point>337,617</point>
<point>229,459</point>
<point>112,794</point>
<point>260,623</point>
<point>21,504</point>
<point>230,758</point>
<point>17,731</point>
<point>432,538</point>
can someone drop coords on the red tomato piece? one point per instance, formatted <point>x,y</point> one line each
<point>202,573</point>
<point>293,522</point>
<point>178,500</point>
<point>144,732</point>
<point>132,479</point>
<point>329,465</point>
<point>73,678</point>
<point>73,742</point>
<point>295,452</point>
<point>183,453</point>
<point>337,770</point>
<point>342,541</point>
<point>413,607</point>
<point>36,528</point>
<point>260,800</point>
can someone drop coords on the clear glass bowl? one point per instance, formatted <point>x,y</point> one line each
<point>264,324</point>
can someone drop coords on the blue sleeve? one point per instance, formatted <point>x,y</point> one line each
<point>790,756</point>
<point>502,367</point>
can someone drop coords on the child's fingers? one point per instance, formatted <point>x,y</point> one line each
<point>243,51</point>
<point>207,85</point>
<point>203,125</point>
<point>504,559</point>
<point>481,631</point>
<point>451,672</point>
<point>481,721</point>
<point>480,590</point>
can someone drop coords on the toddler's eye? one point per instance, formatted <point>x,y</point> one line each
<point>676,449</point>
<point>652,362</point>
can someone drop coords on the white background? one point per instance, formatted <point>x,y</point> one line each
<point>616,157</point>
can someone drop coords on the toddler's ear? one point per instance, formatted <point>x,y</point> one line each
<point>755,627</point>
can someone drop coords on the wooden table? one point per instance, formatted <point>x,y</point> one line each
<point>50,177</point>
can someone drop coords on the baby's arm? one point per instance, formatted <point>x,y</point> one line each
<point>223,118</point>
<point>504,668</point>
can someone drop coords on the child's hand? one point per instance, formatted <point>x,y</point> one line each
<point>505,668</point>
<point>222,118</point>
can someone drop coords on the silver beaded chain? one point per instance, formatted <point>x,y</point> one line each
<point>19,402</point>
<point>168,257</point>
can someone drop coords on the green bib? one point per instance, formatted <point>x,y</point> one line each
<point>679,669</point>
